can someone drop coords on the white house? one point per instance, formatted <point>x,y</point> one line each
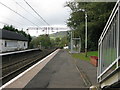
<point>11,41</point>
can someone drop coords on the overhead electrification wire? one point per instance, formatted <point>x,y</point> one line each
<point>4,23</point>
<point>26,10</point>
<point>36,12</point>
<point>7,24</point>
<point>17,13</point>
<point>13,20</point>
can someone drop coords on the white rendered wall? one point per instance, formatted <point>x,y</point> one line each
<point>0,45</point>
<point>12,45</point>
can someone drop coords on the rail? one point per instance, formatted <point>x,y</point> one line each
<point>14,68</point>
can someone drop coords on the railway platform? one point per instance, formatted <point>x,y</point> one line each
<point>58,70</point>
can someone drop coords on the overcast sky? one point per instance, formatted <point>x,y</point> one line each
<point>53,11</point>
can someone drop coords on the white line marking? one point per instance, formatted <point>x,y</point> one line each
<point>18,51</point>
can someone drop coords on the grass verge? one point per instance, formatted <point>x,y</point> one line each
<point>81,56</point>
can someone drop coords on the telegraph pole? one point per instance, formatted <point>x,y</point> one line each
<point>86,34</point>
<point>71,43</point>
<point>83,10</point>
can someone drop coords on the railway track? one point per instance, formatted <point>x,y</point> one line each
<point>9,71</point>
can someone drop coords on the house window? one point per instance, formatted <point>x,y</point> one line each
<point>11,44</point>
<point>24,43</point>
<point>5,44</point>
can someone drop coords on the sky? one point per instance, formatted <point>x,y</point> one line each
<point>52,11</point>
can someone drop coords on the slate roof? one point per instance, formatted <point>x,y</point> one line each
<point>9,35</point>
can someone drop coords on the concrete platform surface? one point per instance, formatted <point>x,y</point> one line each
<point>60,72</point>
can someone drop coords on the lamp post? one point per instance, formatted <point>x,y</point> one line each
<point>83,10</point>
<point>71,43</point>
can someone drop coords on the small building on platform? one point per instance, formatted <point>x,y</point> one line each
<point>12,41</point>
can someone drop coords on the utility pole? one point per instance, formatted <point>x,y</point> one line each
<point>86,34</point>
<point>83,10</point>
<point>71,43</point>
<point>79,45</point>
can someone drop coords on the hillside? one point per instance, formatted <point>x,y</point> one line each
<point>58,34</point>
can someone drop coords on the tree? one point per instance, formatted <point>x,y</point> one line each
<point>13,29</point>
<point>64,42</point>
<point>43,40</point>
<point>98,13</point>
<point>10,28</point>
<point>57,41</point>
